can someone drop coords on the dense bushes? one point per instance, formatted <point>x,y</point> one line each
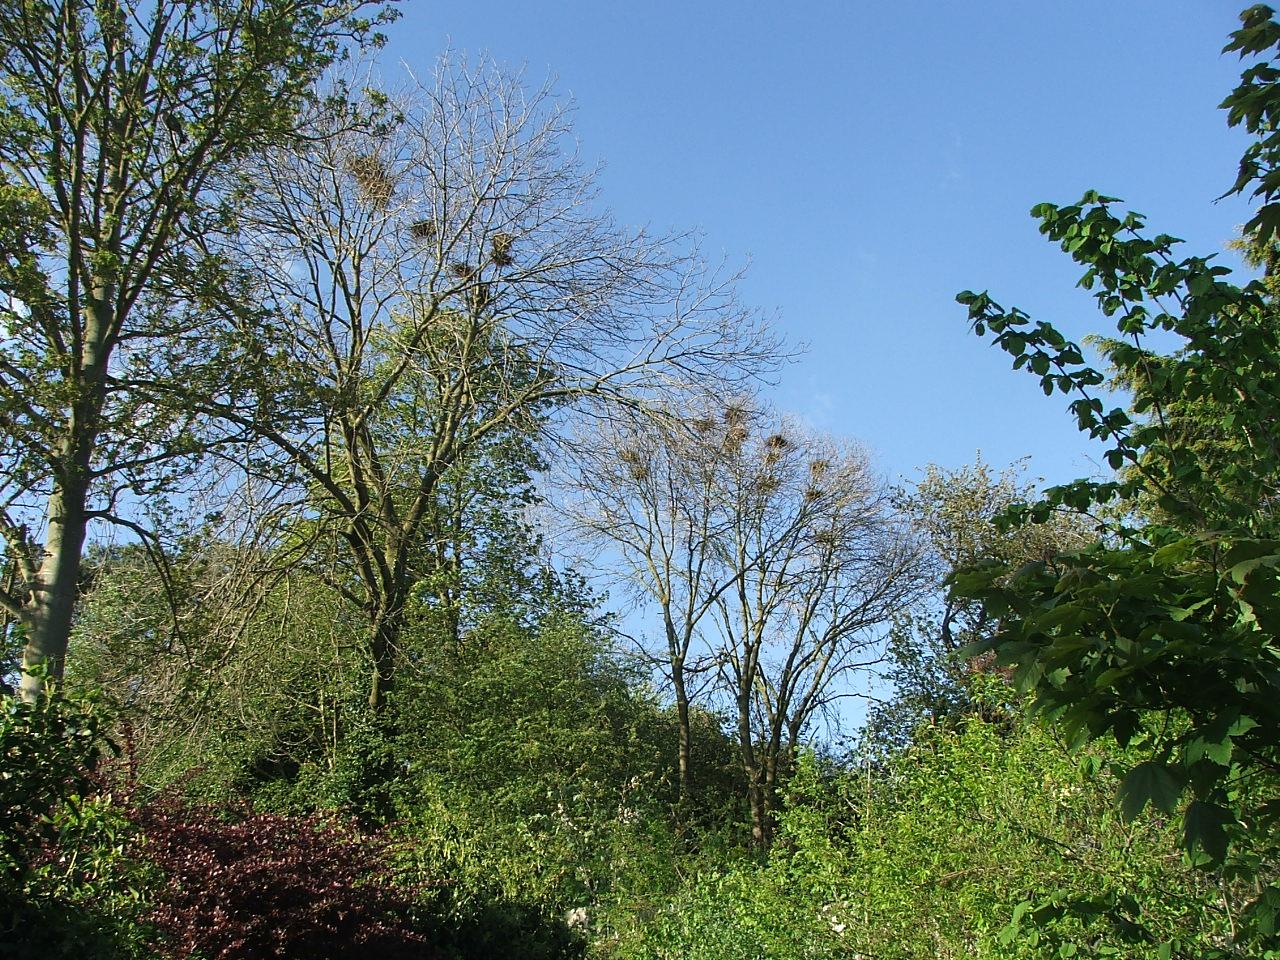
<point>937,854</point>
<point>66,887</point>
<point>949,848</point>
<point>268,885</point>
<point>532,775</point>
<point>47,753</point>
<point>91,873</point>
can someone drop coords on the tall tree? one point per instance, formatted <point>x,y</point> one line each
<point>649,495</point>
<point>448,280</point>
<point>819,563</point>
<point>117,120</point>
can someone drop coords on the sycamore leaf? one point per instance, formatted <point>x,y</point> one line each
<point>1219,751</point>
<point>1149,782</point>
<point>1203,829</point>
<point>1174,553</point>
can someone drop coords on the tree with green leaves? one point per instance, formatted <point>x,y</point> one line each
<point>273,703</point>
<point>119,123</point>
<point>1164,634</point>
<point>956,512</point>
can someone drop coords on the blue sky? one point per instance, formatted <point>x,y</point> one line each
<point>873,159</point>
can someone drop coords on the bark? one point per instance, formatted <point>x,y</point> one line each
<point>384,640</point>
<point>49,609</point>
<point>678,644</point>
<point>50,605</point>
<point>761,819</point>
<point>685,735</point>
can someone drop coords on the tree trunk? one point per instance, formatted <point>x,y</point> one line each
<point>777,757</point>
<point>761,822</point>
<point>384,641</point>
<point>50,606</point>
<point>761,832</point>
<point>684,733</point>
<point>49,609</point>
<point>769,795</point>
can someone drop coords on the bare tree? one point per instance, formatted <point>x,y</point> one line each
<point>768,551</point>
<point>649,494</point>
<point>444,277</point>
<point>819,564</point>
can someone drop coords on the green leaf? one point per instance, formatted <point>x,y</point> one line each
<point>1028,675</point>
<point>1172,554</point>
<point>1203,829</point>
<point>1219,751</point>
<point>1149,782</point>
<point>1246,555</point>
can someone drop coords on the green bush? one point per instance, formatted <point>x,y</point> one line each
<point>67,885</point>
<point>47,753</point>
<point>938,853</point>
<point>534,781</point>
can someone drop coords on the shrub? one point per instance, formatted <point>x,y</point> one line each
<point>67,887</point>
<point>47,752</point>
<point>949,850</point>
<point>269,885</point>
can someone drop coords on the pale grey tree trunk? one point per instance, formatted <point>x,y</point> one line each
<point>51,604</point>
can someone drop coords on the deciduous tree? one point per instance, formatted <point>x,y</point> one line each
<point>648,494</point>
<point>1164,634</point>
<point>447,279</point>
<point>117,123</point>
<point>772,556</point>
<point>819,563</point>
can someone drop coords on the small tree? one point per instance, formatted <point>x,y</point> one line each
<point>956,512</point>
